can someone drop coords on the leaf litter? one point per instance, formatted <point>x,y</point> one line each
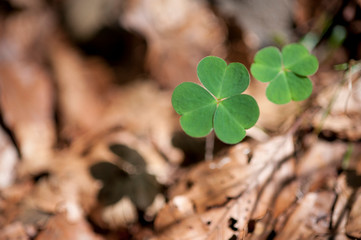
<point>62,110</point>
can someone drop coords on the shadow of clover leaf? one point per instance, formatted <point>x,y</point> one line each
<point>138,185</point>
<point>219,104</point>
<point>286,71</point>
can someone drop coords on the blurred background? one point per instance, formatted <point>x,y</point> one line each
<point>77,76</point>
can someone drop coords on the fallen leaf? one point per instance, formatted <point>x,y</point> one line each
<point>92,106</point>
<point>176,40</point>
<point>217,199</point>
<point>59,228</point>
<point>306,10</point>
<point>341,110</point>
<point>146,111</point>
<point>82,86</point>
<point>311,218</point>
<point>340,210</point>
<point>273,117</point>
<point>86,18</point>
<point>26,89</point>
<point>258,25</point>
<point>120,214</point>
<point>286,192</point>
<point>68,187</point>
<point>353,226</point>
<point>14,231</point>
<point>155,162</point>
<point>322,158</point>
<point>126,178</point>
<point>8,160</point>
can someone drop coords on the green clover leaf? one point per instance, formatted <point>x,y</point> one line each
<point>219,104</point>
<point>286,71</point>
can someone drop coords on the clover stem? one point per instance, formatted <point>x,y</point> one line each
<point>209,147</point>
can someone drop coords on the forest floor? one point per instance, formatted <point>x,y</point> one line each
<point>91,148</point>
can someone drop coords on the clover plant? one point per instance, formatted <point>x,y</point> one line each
<point>219,104</point>
<point>287,72</point>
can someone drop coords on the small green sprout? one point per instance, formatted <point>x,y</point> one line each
<point>286,71</point>
<point>219,104</point>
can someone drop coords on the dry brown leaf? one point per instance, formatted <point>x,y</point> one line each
<point>318,167</point>
<point>216,223</point>
<point>273,117</point>
<point>176,40</point>
<point>10,200</point>
<point>273,197</point>
<point>285,198</point>
<point>340,212</point>
<point>18,220</point>
<point>120,214</point>
<point>69,187</point>
<point>311,218</point>
<point>124,212</point>
<point>91,105</point>
<point>156,165</point>
<point>146,111</point>
<point>86,17</point>
<point>18,191</point>
<point>306,11</point>
<point>345,112</point>
<point>59,228</point>
<point>82,86</point>
<point>259,26</point>
<point>216,199</point>
<point>28,4</point>
<point>8,160</point>
<point>15,230</point>
<point>353,226</point>
<point>26,102</point>
<point>25,88</point>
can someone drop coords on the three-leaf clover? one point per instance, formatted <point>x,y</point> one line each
<point>219,104</point>
<point>286,71</point>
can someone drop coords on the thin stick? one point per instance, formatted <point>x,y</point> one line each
<point>209,147</point>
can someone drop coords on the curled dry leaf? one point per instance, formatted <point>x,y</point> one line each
<point>311,218</point>
<point>278,194</point>
<point>82,86</point>
<point>176,40</point>
<point>27,110</point>
<point>215,200</point>
<point>339,213</point>
<point>345,113</point>
<point>26,89</point>
<point>353,226</point>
